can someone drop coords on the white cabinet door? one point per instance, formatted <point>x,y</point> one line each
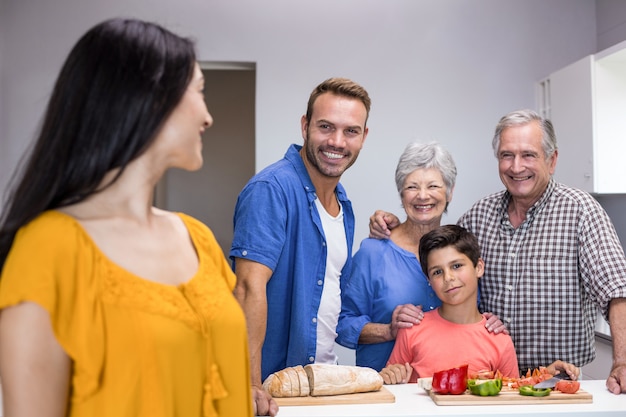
<point>610,122</point>
<point>588,110</point>
<point>571,108</point>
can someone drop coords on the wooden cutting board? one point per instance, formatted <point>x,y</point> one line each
<point>512,396</point>
<point>374,397</point>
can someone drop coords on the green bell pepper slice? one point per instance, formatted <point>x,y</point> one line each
<point>528,390</point>
<point>484,387</point>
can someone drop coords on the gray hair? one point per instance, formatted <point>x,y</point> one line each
<point>423,156</point>
<point>523,117</point>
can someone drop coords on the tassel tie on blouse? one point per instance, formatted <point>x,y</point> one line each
<point>213,390</point>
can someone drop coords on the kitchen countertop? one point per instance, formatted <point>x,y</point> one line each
<point>414,401</point>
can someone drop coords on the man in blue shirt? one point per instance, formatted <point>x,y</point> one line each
<point>294,230</point>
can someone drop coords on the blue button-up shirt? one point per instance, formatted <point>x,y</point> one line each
<point>277,224</point>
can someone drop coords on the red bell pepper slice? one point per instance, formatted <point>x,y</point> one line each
<point>450,381</point>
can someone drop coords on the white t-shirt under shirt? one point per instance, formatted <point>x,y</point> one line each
<point>330,304</point>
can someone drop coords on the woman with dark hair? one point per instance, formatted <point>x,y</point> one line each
<point>110,306</point>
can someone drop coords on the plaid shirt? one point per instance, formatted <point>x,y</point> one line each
<point>547,278</point>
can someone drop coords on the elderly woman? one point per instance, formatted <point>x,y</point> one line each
<point>387,289</point>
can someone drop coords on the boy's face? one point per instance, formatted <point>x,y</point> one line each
<point>453,277</point>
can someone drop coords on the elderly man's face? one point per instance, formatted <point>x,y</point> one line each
<point>524,169</point>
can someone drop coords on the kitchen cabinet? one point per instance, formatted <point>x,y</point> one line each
<point>586,102</point>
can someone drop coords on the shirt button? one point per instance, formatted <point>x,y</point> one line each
<point>314,320</point>
<point>512,255</point>
<point>323,243</point>
<point>320,282</point>
<point>509,287</point>
<point>311,359</point>
<point>244,253</point>
<point>507,319</point>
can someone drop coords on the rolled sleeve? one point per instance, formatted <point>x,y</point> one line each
<point>259,224</point>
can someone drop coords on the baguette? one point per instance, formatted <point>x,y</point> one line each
<point>304,381</point>
<point>294,380</point>
<point>278,385</point>
<point>341,379</point>
<point>320,379</point>
<point>289,382</point>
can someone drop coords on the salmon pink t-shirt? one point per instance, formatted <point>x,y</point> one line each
<point>436,344</point>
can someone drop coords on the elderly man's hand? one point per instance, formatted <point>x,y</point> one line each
<point>616,382</point>
<point>494,324</point>
<point>559,366</point>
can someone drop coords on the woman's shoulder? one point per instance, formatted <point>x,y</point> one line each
<point>44,260</point>
<point>50,219</point>
<point>191,222</point>
<point>370,244</point>
<point>196,228</point>
<point>51,226</point>
<point>379,246</point>
<point>375,252</point>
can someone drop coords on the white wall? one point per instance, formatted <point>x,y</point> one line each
<point>436,70</point>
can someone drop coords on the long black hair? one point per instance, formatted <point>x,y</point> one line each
<point>119,83</point>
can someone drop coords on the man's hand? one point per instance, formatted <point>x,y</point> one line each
<point>264,404</point>
<point>570,369</point>
<point>381,223</point>
<point>396,374</point>
<point>405,316</point>
<point>616,382</point>
<point>494,324</point>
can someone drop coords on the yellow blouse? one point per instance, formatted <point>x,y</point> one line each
<point>139,348</point>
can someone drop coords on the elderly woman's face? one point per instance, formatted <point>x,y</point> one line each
<point>424,196</point>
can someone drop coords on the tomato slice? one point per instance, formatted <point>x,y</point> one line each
<point>526,381</point>
<point>567,387</point>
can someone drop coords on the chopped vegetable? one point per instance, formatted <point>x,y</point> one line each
<point>567,387</point>
<point>450,381</point>
<point>483,374</point>
<point>484,387</point>
<point>530,391</point>
<point>531,378</point>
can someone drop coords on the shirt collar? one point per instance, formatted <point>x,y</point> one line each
<point>293,156</point>
<point>537,207</point>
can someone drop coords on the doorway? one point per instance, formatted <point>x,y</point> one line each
<point>228,150</point>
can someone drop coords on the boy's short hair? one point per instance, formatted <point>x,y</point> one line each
<point>460,238</point>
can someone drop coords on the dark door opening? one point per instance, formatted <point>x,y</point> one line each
<point>228,150</point>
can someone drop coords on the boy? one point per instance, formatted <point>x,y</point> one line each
<point>455,333</point>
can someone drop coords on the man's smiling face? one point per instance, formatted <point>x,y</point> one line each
<point>524,168</point>
<point>335,135</point>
